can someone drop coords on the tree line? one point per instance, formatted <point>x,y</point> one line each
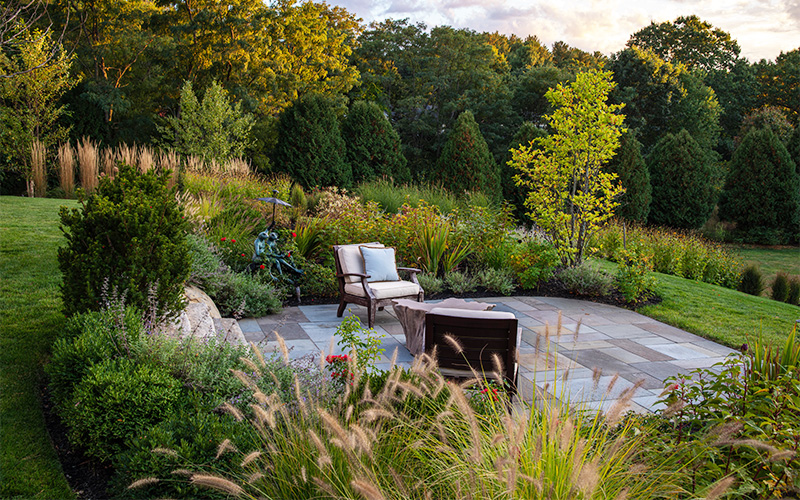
<point>332,101</point>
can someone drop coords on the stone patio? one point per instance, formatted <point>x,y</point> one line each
<point>612,350</point>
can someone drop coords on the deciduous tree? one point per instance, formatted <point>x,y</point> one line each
<point>570,194</point>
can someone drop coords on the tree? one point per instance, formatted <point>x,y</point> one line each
<point>762,191</point>
<point>780,83</point>
<point>570,195</point>
<point>466,163</point>
<point>684,181</point>
<point>525,137</point>
<point>663,98</point>
<point>30,108</point>
<point>770,117</point>
<point>373,146</point>
<point>634,176</point>
<point>690,41</point>
<point>794,147</point>
<point>737,92</point>
<point>211,129</point>
<point>310,146</point>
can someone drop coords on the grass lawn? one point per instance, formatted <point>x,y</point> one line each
<point>716,313</point>
<point>29,317</point>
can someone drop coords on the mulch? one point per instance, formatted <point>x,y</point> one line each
<point>89,479</point>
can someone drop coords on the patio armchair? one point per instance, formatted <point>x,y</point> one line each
<point>481,334</point>
<point>368,276</point>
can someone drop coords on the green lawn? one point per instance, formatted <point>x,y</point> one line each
<point>716,313</point>
<point>29,317</point>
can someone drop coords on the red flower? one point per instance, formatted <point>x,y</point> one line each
<point>294,235</point>
<point>261,266</point>
<point>289,254</point>
<point>242,255</point>
<point>233,241</point>
<point>223,239</point>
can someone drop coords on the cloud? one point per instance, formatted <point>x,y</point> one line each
<point>763,28</point>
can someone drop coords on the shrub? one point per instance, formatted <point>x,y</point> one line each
<point>430,283</point>
<point>127,239</point>
<point>207,266</point>
<point>793,295</point>
<point>244,295</point>
<point>90,338</point>
<point>752,282</point>
<point>684,181</point>
<point>318,279</point>
<point>497,280</point>
<point>465,163</point>
<point>633,277</point>
<point>771,213</point>
<point>460,282</point>
<point>634,176</point>
<point>780,287</point>
<point>533,263</point>
<point>372,145</point>
<point>116,400</point>
<point>310,146</point>
<point>585,279</point>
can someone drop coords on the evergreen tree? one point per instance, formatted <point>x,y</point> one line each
<point>466,163</point>
<point>762,191</point>
<point>794,148</point>
<point>211,129</point>
<point>634,176</point>
<point>373,146</point>
<point>310,146</point>
<point>684,182</point>
<point>526,135</point>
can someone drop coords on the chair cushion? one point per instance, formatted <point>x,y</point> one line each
<point>379,264</point>
<point>352,262</point>
<point>384,289</point>
<point>472,314</point>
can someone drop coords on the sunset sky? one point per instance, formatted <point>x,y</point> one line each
<point>763,28</point>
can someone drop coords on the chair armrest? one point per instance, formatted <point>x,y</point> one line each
<point>410,269</point>
<point>360,275</point>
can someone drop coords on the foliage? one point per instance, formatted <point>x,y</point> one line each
<point>497,280</point>
<point>127,240</point>
<point>684,181</point>
<point>634,176</point>
<point>373,146</point>
<point>88,339</point>
<point>586,279</point>
<point>633,278</point>
<point>362,344</point>
<point>771,213</point>
<point>747,405</point>
<point>780,288</point>
<point>770,117</point>
<point>460,282</point>
<point>310,146</point>
<point>465,163</point>
<point>318,279</point>
<point>533,262</point>
<point>438,254</point>
<point>780,83</point>
<point>793,294</point>
<point>690,41</point>
<point>309,236</point>
<point>661,97</point>
<point>570,196</point>
<point>752,281</point>
<point>118,398</point>
<point>30,109</point>
<point>206,264</point>
<point>211,129</point>
<point>672,252</point>
<point>243,295</point>
<point>430,283</point>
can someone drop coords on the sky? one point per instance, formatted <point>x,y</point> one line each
<point>763,28</point>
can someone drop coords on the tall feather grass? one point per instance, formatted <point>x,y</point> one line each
<point>66,169</point>
<point>38,169</point>
<point>88,161</point>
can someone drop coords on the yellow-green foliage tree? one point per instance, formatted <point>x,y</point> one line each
<point>570,196</point>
